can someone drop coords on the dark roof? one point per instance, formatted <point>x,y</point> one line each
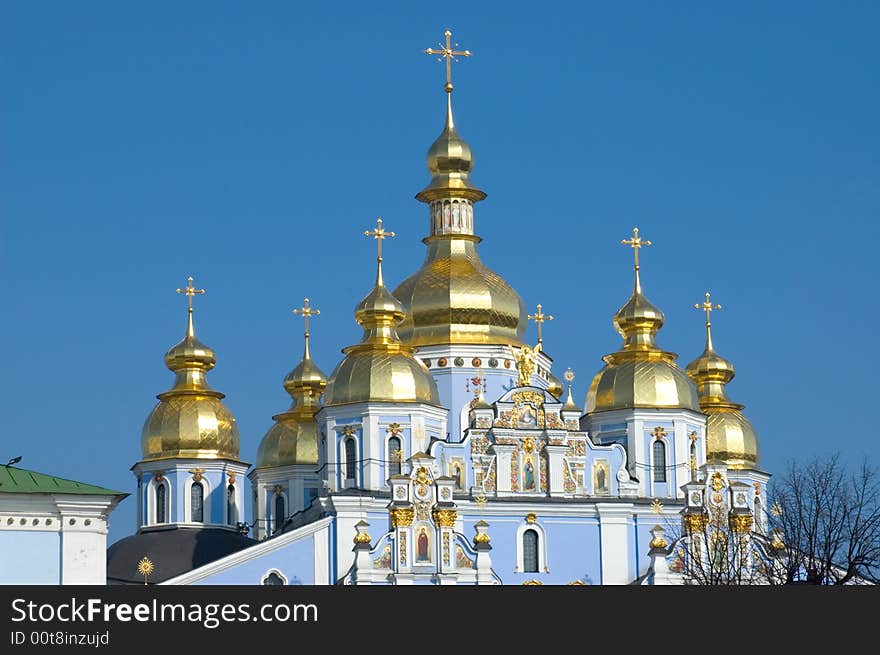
<point>23,481</point>
<point>173,550</point>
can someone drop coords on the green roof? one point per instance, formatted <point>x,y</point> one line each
<point>22,481</point>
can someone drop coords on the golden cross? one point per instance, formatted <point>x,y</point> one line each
<point>446,52</point>
<point>190,291</point>
<point>636,243</point>
<point>539,317</point>
<point>379,233</point>
<point>707,307</point>
<point>307,311</point>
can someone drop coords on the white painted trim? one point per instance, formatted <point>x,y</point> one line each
<point>266,575</point>
<point>542,548</point>
<point>241,556</point>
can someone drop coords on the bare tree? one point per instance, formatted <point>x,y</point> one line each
<point>830,522</point>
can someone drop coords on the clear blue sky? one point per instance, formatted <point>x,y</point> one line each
<point>249,145</point>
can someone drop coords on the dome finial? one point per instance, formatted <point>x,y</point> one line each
<point>189,290</point>
<point>306,311</point>
<point>539,317</point>
<point>708,307</point>
<point>449,54</point>
<point>570,405</point>
<point>636,242</point>
<point>379,234</point>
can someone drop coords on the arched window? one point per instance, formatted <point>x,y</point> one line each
<point>395,455</point>
<point>349,459</point>
<point>279,512</point>
<point>231,510</point>
<point>759,515</point>
<point>659,461</point>
<point>273,579</point>
<point>530,551</point>
<point>160,503</point>
<point>197,502</point>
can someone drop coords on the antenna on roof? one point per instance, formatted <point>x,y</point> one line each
<point>14,460</point>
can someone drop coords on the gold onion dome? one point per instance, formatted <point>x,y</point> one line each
<point>454,298</point>
<point>730,436</point>
<point>293,439</point>
<point>641,374</point>
<point>190,419</point>
<point>380,368</point>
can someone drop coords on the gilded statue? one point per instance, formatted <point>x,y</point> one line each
<point>525,363</point>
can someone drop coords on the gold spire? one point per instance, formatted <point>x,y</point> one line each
<point>449,158</point>
<point>293,439</point>
<point>190,420</point>
<point>640,374</point>
<point>539,317</point>
<point>730,436</point>
<point>380,367</point>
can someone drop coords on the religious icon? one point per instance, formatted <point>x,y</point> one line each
<point>526,415</point>
<point>456,215</point>
<point>422,549</point>
<point>600,478</point>
<point>528,476</point>
<point>458,474</point>
<point>445,214</point>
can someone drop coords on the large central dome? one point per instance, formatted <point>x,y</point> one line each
<point>454,298</point>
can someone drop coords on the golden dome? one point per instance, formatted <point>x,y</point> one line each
<point>380,368</point>
<point>640,374</point>
<point>555,387</point>
<point>450,161</point>
<point>730,436</point>
<point>293,439</point>
<point>454,298</point>
<point>190,420</point>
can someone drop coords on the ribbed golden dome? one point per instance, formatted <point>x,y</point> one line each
<point>380,368</point>
<point>640,374</point>
<point>293,439</point>
<point>454,298</point>
<point>190,420</point>
<point>730,436</point>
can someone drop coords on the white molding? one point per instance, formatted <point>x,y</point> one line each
<point>542,548</point>
<point>266,575</point>
<point>246,554</point>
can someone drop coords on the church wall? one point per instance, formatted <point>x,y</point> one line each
<point>28,557</point>
<point>295,562</point>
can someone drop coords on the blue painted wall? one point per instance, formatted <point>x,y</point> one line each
<point>30,557</point>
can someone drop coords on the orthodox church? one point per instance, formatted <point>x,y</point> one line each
<point>443,449</point>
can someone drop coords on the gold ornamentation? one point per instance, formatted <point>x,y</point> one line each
<point>531,517</point>
<point>393,428</point>
<point>539,317</point>
<point>422,476</point>
<point>529,583</point>
<point>658,542</point>
<point>482,538</point>
<point>776,509</point>
<point>741,523</point>
<point>529,444</point>
<point>306,312</point>
<point>656,506</point>
<point>445,518</point>
<point>757,488</point>
<point>362,538</point>
<point>717,481</point>
<point>577,583</point>
<point>190,291</point>
<point>693,436</point>
<point>278,489</point>
<point>403,548</point>
<point>696,522</point>
<point>533,397</point>
<point>198,474</point>
<point>230,476</point>
<point>158,476</point>
<point>145,566</point>
<point>659,432</point>
<point>707,307</point>
<point>525,363</point>
<point>384,560</point>
<point>462,561</point>
<point>481,500</point>
<point>422,512</point>
<point>402,516</point>
<point>449,54</point>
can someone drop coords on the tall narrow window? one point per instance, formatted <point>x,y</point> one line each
<point>458,474</point>
<point>659,461</point>
<point>160,503</point>
<point>231,510</point>
<point>759,515</point>
<point>197,502</point>
<point>530,551</point>
<point>395,456</point>
<point>349,459</point>
<point>279,512</point>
